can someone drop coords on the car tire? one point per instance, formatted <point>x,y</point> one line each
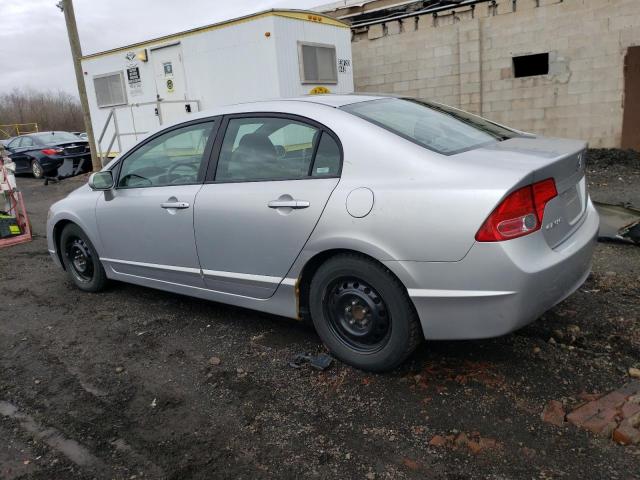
<point>363,313</point>
<point>36,169</point>
<point>80,259</point>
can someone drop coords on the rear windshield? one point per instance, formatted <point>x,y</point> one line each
<point>439,128</point>
<point>51,138</point>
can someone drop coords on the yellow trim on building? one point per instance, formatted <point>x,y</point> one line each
<point>302,15</point>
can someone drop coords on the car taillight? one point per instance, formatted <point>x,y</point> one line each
<point>519,214</point>
<point>52,151</point>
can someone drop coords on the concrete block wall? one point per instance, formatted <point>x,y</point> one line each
<point>464,59</point>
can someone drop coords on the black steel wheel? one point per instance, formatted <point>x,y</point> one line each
<point>79,256</point>
<point>363,313</point>
<point>80,259</point>
<point>357,314</point>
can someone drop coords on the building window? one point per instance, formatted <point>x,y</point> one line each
<point>110,89</point>
<point>317,63</point>
<point>531,65</point>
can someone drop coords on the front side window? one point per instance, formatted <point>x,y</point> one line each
<point>439,128</point>
<point>266,149</point>
<point>318,63</point>
<point>173,158</point>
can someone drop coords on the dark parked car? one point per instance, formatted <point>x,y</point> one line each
<point>50,154</point>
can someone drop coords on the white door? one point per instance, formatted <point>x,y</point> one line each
<point>170,82</point>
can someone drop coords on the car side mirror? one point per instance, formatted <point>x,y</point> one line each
<point>101,180</point>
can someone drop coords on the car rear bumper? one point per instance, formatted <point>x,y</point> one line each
<point>63,167</point>
<point>498,287</point>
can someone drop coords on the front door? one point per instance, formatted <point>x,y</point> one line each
<point>273,178</point>
<point>19,148</point>
<point>146,222</point>
<point>170,82</point>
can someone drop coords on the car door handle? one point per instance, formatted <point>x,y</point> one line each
<point>297,204</point>
<point>174,205</point>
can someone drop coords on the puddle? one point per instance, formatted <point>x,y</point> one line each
<point>71,449</point>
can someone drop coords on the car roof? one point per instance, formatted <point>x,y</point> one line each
<point>329,100</point>
<point>325,100</point>
<point>336,100</point>
<point>48,132</point>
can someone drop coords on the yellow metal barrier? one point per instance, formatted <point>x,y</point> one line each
<point>16,129</point>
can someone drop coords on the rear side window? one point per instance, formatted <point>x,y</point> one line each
<point>269,149</point>
<point>327,161</point>
<point>27,142</point>
<point>436,127</point>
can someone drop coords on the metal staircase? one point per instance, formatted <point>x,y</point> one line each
<point>116,138</point>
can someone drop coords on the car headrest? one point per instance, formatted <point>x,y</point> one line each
<point>257,144</point>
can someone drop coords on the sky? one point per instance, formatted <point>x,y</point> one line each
<point>34,47</point>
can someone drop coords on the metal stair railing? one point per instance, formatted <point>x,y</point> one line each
<point>103,155</point>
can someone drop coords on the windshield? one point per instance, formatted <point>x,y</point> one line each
<point>51,138</point>
<point>439,128</point>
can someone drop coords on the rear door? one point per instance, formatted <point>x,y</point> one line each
<point>271,178</point>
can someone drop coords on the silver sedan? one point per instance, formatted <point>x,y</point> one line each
<point>382,220</point>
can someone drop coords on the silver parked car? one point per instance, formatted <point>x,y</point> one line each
<point>383,220</point>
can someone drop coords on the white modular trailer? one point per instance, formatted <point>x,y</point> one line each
<point>273,54</point>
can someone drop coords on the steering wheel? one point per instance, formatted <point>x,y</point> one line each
<point>191,170</point>
<point>125,180</point>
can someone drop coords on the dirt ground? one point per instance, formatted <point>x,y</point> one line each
<point>122,384</point>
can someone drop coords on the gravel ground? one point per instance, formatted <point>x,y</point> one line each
<point>124,384</point>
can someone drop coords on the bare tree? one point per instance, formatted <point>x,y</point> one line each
<point>50,110</point>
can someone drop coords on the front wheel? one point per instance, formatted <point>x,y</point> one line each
<point>81,260</point>
<point>363,313</point>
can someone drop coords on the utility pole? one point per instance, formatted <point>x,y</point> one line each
<point>76,52</point>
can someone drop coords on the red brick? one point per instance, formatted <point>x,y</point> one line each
<point>554,413</point>
<point>589,397</point>
<point>411,464</point>
<point>612,400</point>
<point>625,434</point>
<point>462,440</point>
<point>604,408</point>
<point>474,447</point>
<point>489,444</point>
<point>602,423</point>
<point>582,414</point>
<point>629,409</point>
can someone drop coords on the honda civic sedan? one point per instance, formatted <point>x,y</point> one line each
<point>382,220</point>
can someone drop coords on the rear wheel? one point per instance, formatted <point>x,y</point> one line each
<point>81,260</point>
<point>362,313</point>
<point>36,169</point>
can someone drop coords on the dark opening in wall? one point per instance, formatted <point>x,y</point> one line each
<point>530,65</point>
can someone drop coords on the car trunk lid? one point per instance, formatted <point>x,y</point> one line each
<point>564,161</point>
<point>74,148</point>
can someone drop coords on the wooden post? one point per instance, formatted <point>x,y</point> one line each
<point>76,53</point>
